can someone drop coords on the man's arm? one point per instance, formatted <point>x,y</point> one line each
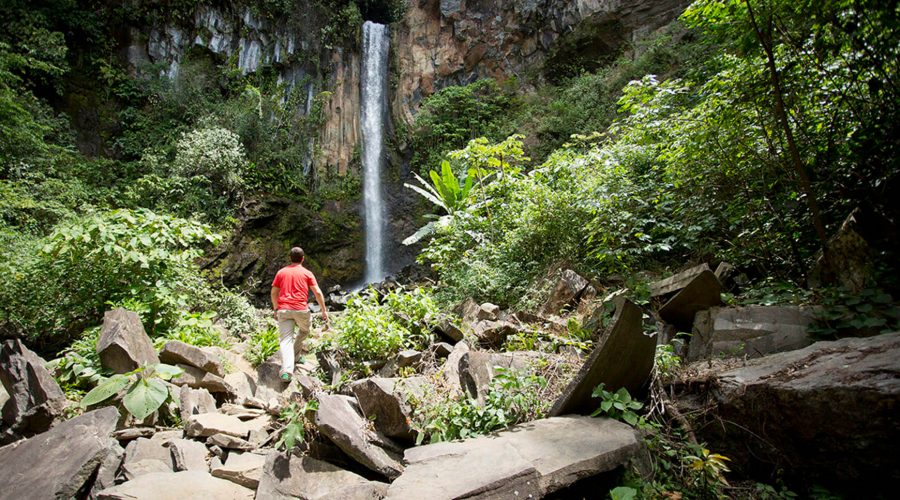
<point>321,300</point>
<point>275,291</point>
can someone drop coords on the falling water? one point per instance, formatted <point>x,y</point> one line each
<point>374,99</point>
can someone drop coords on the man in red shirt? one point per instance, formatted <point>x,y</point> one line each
<point>290,298</point>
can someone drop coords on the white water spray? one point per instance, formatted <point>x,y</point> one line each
<point>374,99</point>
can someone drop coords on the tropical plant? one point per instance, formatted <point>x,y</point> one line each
<point>617,405</point>
<point>196,329</point>
<point>144,390</point>
<point>708,467</point>
<point>446,192</point>
<point>263,344</point>
<point>294,418</point>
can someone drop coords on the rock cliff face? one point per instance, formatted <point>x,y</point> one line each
<point>435,44</point>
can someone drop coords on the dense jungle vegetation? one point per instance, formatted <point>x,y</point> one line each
<point>745,131</point>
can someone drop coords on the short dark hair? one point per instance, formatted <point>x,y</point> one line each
<point>297,255</point>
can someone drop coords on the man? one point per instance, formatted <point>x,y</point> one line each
<point>290,297</point>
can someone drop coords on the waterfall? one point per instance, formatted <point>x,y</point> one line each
<point>373,111</point>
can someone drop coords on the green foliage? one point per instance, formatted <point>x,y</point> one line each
<point>145,391</point>
<point>263,344</point>
<point>375,327</point>
<point>449,118</point>
<point>617,405</point>
<point>214,153</point>
<point>196,329</point>
<point>844,313</point>
<point>294,418</point>
<point>623,493</point>
<point>79,366</point>
<point>513,397</point>
<point>89,261</point>
<point>666,361</point>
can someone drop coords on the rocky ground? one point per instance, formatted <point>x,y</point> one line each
<point>760,391</point>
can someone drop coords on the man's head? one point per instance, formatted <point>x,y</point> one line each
<point>297,255</point>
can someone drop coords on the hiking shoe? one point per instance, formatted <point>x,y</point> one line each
<point>286,377</point>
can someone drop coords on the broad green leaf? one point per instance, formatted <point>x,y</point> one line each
<point>168,372</point>
<point>145,397</point>
<point>105,390</point>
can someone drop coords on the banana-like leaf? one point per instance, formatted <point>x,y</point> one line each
<point>145,397</point>
<point>421,233</point>
<point>105,390</point>
<point>432,197</point>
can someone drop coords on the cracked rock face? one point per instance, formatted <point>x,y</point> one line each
<point>35,399</point>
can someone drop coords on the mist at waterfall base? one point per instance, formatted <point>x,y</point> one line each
<point>373,91</point>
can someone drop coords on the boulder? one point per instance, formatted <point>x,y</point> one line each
<point>227,442</point>
<point>286,477</point>
<point>623,358</point>
<point>188,454</point>
<point>565,293</point>
<point>468,310</point>
<point>703,292</point>
<point>177,486</point>
<point>340,420</point>
<point>123,344</point>
<point>477,369</point>
<point>825,414</point>
<point>676,282</point>
<point>450,369</point>
<point>751,331</point>
<point>492,334</point>
<point>244,469</point>
<point>108,470</point>
<point>195,401</point>
<point>442,349</point>
<point>132,433</point>
<point>58,463</point>
<point>243,385</point>
<point>175,352</point>
<point>241,412</point>
<point>851,261</point>
<point>408,357</point>
<point>309,386</point>
<point>527,461</point>
<point>207,424</point>
<point>450,330</point>
<point>385,400</point>
<point>144,456</point>
<point>199,379</point>
<point>487,311</point>
<point>35,401</point>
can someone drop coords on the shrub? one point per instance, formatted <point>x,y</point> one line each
<point>145,392</point>
<point>215,153</point>
<point>263,344</point>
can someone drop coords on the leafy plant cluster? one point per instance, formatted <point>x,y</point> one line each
<point>295,420</point>
<point>844,313</point>
<point>514,396</point>
<point>376,326</point>
<point>144,389</point>
<point>263,344</point>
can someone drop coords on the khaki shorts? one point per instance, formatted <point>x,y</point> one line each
<point>287,319</point>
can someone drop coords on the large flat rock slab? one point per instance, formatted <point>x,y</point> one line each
<point>623,358</point>
<point>176,352</point>
<point>287,477</point>
<point>177,486</point>
<point>386,401</point>
<point>750,331</point>
<point>537,458</point>
<point>57,463</point>
<point>826,414</point>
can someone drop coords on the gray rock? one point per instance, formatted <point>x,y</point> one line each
<point>468,310</point>
<point>827,414</point>
<point>676,282</point>
<point>487,311</point>
<point>108,470</point>
<point>477,369</point>
<point>339,419</point>
<point>450,330</point>
<point>623,358</point>
<point>751,331</point>
<point>227,442</point>
<point>566,292</point>
<point>408,357</point>
<point>450,369</point>
<point>287,477</point>
<point>527,461</point>
<point>492,334</point>
<point>703,291</point>
<point>145,456</point>
<point>207,424</point>
<point>39,467</point>
<point>188,454</point>
<point>198,379</point>
<point>385,401</point>
<point>175,352</point>
<point>177,486</point>
<point>442,349</point>
<point>195,401</point>
<point>241,412</point>
<point>308,385</point>
<point>123,344</point>
<point>244,469</point>
<point>35,401</point>
<point>243,385</point>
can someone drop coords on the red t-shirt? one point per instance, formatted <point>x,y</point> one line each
<point>294,282</point>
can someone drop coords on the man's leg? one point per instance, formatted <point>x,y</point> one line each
<point>301,318</point>
<point>286,341</point>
